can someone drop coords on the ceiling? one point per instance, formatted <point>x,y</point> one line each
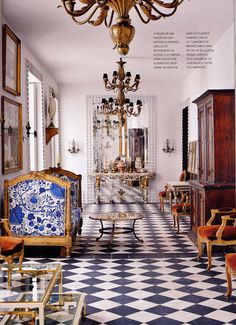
<point>81,54</point>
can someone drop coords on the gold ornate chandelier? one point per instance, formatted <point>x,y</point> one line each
<point>120,84</point>
<point>96,12</point>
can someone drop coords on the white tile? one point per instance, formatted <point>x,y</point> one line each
<point>141,304</point>
<point>103,317</point>
<point>183,316</point>
<point>221,315</point>
<point>140,294</point>
<point>143,316</point>
<point>174,294</point>
<point>104,304</point>
<point>215,303</point>
<point>106,294</point>
<point>177,304</point>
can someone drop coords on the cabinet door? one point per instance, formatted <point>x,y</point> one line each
<point>210,170</point>
<point>202,143</point>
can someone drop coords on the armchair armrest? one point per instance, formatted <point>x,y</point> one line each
<point>221,211</point>
<point>5,223</point>
<point>224,221</point>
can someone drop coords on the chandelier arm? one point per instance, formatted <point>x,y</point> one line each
<point>87,20</point>
<point>170,5</point>
<point>140,16</point>
<point>162,14</point>
<point>147,10</point>
<point>101,16</point>
<point>108,25</point>
<point>78,13</point>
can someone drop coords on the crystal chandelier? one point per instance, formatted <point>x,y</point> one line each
<point>120,84</point>
<point>96,12</point>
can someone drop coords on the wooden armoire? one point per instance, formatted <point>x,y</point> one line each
<point>215,186</point>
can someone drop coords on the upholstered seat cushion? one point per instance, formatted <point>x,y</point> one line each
<point>230,260</point>
<point>162,194</point>
<point>10,245</point>
<point>209,232</point>
<point>181,207</point>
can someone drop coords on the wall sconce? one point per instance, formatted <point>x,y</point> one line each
<point>74,147</point>
<point>28,128</point>
<point>168,147</point>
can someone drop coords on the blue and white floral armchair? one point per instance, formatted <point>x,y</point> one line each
<point>37,208</point>
<point>76,188</point>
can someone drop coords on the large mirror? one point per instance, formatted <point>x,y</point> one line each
<point>133,142</point>
<point>114,142</point>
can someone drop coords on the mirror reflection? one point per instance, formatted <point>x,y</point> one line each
<point>120,147</point>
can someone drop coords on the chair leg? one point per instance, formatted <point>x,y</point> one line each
<point>174,220</point>
<point>177,222</point>
<point>161,204</point>
<point>229,282</point>
<point>199,245</point>
<point>209,254</point>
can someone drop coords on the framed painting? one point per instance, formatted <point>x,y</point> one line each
<point>11,135</point>
<point>11,62</point>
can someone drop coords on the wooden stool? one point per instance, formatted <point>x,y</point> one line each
<point>230,269</point>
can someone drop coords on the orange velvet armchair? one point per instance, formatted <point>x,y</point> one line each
<point>11,248</point>
<point>230,269</point>
<point>217,232</point>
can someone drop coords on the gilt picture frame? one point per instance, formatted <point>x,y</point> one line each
<point>11,62</point>
<point>11,135</point>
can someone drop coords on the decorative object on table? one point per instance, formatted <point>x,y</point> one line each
<point>73,147</point>
<point>168,146</point>
<point>121,166</point>
<point>138,164</point>
<point>122,33</point>
<point>121,84</point>
<point>11,135</point>
<point>11,59</point>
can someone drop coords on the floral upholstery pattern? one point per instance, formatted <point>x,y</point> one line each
<point>37,208</point>
<point>73,188</point>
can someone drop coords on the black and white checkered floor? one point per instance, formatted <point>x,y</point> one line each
<point>158,281</point>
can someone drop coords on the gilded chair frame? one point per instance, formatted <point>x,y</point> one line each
<point>226,216</point>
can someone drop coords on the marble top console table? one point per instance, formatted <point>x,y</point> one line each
<point>120,186</point>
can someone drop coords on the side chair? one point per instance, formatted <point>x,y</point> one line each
<point>10,249</point>
<point>163,195</point>
<point>217,232</point>
<point>181,209</point>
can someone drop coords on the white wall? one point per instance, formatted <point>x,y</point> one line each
<point>219,75</point>
<point>47,81</point>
